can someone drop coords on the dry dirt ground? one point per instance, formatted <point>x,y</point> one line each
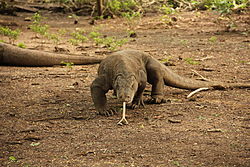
<point>47,116</point>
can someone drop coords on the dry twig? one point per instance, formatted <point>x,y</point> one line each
<point>203,78</point>
<point>196,91</point>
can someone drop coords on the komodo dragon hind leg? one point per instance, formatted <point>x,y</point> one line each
<point>155,78</point>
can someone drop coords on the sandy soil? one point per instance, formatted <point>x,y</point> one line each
<point>48,119</point>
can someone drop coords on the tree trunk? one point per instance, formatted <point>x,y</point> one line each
<point>99,7</point>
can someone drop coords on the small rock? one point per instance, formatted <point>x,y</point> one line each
<point>133,35</point>
<point>214,130</point>
<point>174,121</point>
<point>35,83</point>
<point>27,19</point>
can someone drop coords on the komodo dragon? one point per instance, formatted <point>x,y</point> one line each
<point>128,71</point>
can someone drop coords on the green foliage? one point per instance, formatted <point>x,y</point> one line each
<point>11,34</point>
<point>26,165</point>
<point>176,163</point>
<point>78,37</point>
<point>33,144</point>
<point>62,32</point>
<point>43,29</point>
<point>68,64</point>
<point>74,42</point>
<point>131,15</point>
<point>110,42</point>
<point>94,34</point>
<point>37,26</point>
<point>71,1</point>
<point>114,6</point>
<point>12,159</point>
<point>184,42</point>
<point>64,1</point>
<point>167,19</point>
<point>166,60</point>
<point>117,6</point>
<point>244,62</point>
<point>37,18</point>
<point>39,29</point>
<point>125,8</point>
<point>21,45</point>
<point>54,37</point>
<point>128,9</point>
<point>167,9</point>
<point>191,61</point>
<point>222,6</point>
<point>213,39</point>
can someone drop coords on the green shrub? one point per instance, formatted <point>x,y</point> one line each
<point>94,34</point>
<point>21,45</point>
<point>167,9</point>
<point>110,42</point>
<point>39,29</point>
<point>78,37</point>
<point>222,6</point>
<point>117,6</point>
<point>11,34</point>
<point>191,61</point>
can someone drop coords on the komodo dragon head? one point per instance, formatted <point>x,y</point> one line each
<point>125,88</point>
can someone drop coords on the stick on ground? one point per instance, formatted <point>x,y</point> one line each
<point>196,91</point>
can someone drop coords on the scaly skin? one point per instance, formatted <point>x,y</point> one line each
<point>15,56</point>
<point>128,71</point>
<point>123,72</point>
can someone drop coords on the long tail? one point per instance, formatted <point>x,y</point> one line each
<point>174,80</point>
<point>12,55</point>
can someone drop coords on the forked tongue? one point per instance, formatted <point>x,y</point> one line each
<point>123,120</point>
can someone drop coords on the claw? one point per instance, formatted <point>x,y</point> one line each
<point>108,112</point>
<point>137,104</point>
<point>156,100</point>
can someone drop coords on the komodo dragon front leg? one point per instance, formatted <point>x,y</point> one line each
<point>99,88</point>
<point>138,98</point>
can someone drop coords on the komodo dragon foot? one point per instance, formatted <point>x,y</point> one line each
<point>137,103</point>
<point>156,100</point>
<point>108,112</point>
